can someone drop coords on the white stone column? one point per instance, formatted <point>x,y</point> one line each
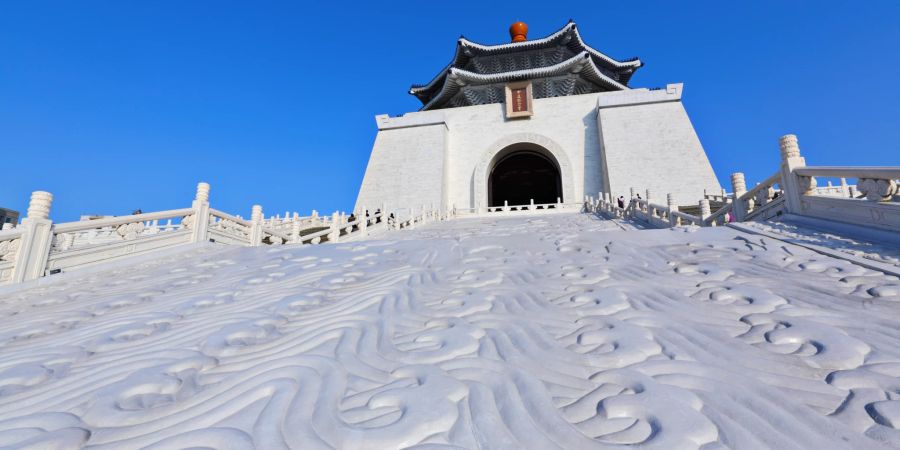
<point>335,235</point>
<point>256,225</point>
<point>794,186</point>
<point>739,187</point>
<point>34,248</point>
<point>845,192</point>
<point>200,231</point>
<point>705,211</point>
<point>363,222</point>
<point>295,229</point>
<point>674,220</point>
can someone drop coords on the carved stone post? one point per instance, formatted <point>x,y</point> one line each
<point>704,211</point>
<point>531,204</point>
<point>739,187</point>
<point>363,222</point>
<point>674,220</point>
<point>335,235</point>
<point>844,191</point>
<point>794,186</point>
<point>200,225</point>
<point>256,225</point>
<point>631,192</point>
<point>505,206</point>
<point>34,248</point>
<point>295,229</point>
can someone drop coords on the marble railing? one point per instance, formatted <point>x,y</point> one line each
<point>873,201</point>
<point>38,247</point>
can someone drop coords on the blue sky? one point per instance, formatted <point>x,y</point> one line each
<point>113,106</point>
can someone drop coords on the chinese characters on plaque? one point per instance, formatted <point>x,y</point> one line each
<point>519,102</point>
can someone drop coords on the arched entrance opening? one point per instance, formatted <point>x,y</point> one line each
<point>520,175</point>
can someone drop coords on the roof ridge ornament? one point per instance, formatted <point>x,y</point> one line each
<point>518,32</point>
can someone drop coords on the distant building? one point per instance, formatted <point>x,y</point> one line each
<point>8,216</point>
<point>535,120</point>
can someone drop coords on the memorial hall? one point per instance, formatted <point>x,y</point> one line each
<point>534,121</point>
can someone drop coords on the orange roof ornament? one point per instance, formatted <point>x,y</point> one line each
<point>518,32</point>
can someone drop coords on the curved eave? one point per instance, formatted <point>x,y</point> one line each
<point>463,45</point>
<point>581,63</point>
<point>548,41</point>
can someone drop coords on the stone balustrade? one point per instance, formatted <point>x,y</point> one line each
<point>38,247</point>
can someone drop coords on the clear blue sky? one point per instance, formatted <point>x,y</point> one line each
<point>113,106</point>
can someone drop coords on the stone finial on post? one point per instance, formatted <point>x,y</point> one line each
<point>200,205</point>
<point>794,186</point>
<point>505,205</point>
<point>202,192</point>
<point>739,187</point>
<point>256,225</point>
<point>674,220</point>
<point>531,204</point>
<point>34,246</point>
<point>39,206</point>
<point>844,191</point>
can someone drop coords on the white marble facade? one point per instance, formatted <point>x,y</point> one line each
<point>608,142</point>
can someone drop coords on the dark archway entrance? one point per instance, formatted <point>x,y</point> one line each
<point>522,176</point>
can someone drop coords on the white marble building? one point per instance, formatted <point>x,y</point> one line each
<point>535,119</point>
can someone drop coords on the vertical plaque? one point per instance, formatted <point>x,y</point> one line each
<point>519,101</point>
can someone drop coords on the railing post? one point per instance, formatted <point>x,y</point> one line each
<point>505,206</point>
<point>795,187</point>
<point>364,222</point>
<point>34,248</point>
<point>631,192</point>
<point>674,220</point>
<point>256,225</point>
<point>531,204</point>
<point>844,191</point>
<point>705,212</point>
<point>200,231</point>
<point>335,235</point>
<point>739,187</point>
<point>295,229</point>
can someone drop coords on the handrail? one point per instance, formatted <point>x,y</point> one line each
<point>688,217</point>
<point>891,172</point>
<point>224,215</point>
<point>761,209</point>
<point>725,209</point>
<point>82,225</point>
<point>10,234</point>
<point>287,238</point>
<point>317,234</point>
<point>767,183</point>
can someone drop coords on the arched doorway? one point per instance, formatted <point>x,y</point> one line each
<point>519,176</point>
